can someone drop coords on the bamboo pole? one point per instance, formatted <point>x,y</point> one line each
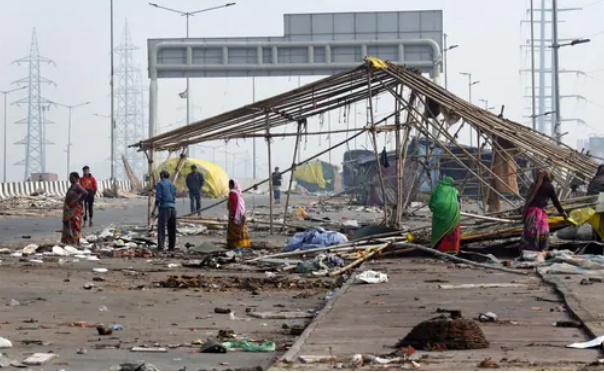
<point>270,170</point>
<point>427,133</point>
<point>151,187</point>
<point>375,147</point>
<point>291,179</point>
<point>285,171</point>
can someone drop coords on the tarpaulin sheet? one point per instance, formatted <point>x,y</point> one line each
<point>217,181</point>
<point>311,173</point>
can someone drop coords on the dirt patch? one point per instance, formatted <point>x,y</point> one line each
<point>219,284</point>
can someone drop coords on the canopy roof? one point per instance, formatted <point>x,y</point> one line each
<point>364,82</point>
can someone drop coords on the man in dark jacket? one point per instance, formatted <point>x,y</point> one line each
<point>277,179</point>
<point>165,201</point>
<point>195,182</point>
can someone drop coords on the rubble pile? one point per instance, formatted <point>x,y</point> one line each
<point>446,333</point>
<point>42,202</point>
<point>230,283</point>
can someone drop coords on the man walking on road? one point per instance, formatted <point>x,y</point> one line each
<point>277,178</point>
<point>165,201</point>
<point>195,182</point>
<point>88,182</point>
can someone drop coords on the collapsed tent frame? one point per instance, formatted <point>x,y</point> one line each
<point>413,116</point>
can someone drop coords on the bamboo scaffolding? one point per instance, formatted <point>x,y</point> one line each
<point>365,83</point>
<point>291,179</point>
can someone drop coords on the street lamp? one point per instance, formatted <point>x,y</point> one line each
<point>556,46</point>
<point>446,60</point>
<point>486,105</point>
<point>70,107</point>
<point>471,83</point>
<point>6,93</point>
<point>187,15</point>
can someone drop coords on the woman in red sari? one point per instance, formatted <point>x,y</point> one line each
<point>73,211</point>
<point>237,234</point>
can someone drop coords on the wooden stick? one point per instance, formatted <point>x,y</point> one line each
<point>375,148</point>
<point>270,170</point>
<point>359,261</point>
<point>291,179</point>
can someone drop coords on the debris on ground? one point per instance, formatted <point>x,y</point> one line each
<point>371,277</point>
<point>447,332</point>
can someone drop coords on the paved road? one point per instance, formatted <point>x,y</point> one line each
<point>133,212</point>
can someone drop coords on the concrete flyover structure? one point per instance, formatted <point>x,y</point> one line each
<point>56,188</point>
<point>312,44</point>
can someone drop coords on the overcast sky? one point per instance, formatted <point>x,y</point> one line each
<point>75,34</point>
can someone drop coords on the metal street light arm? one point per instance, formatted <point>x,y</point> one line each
<point>209,9</point>
<point>13,90</point>
<point>168,9</point>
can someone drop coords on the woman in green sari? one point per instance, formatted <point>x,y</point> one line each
<point>446,217</point>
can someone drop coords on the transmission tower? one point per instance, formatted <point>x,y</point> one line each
<point>129,100</point>
<point>35,139</point>
<point>544,57</point>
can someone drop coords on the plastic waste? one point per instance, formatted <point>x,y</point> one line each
<point>117,327</point>
<point>266,346</point>
<point>5,343</point>
<point>487,317</point>
<point>371,277</point>
<point>100,270</point>
<point>29,249</point>
<point>103,309</point>
<point>14,303</point>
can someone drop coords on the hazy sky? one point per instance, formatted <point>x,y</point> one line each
<point>75,34</point>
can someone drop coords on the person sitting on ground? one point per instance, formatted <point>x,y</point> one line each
<point>446,217</point>
<point>165,201</point>
<point>535,236</point>
<point>596,185</point>
<point>73,210</point>
<point>195,182</point>
<point>237,235</point>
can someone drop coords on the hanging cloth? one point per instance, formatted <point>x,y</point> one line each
<point>384,159</point>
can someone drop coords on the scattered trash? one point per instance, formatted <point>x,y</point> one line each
<point>4,362</point>
<point>81,351</point>
<point>487,317</point>
<point>222,310</point>
<point>596,342</point>
<point>5,343</point>
<point>213,347</point>
<point>100,270</point>
<point>371,277</point>
<point>282,315</point>
<point>88,285</point>
<point>266,346</point>
<point>104,330</point>
<point>14,303</point>
<point>356,361</point>
<point>39,359</point>
<point>135,367</point>
<point>148,349</point>
<point>103,309</point>
<point>117,327</point>
<point>488,363</point>
<point>568,324</point>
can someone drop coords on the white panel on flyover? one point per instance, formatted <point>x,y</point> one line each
<point>313,44</point>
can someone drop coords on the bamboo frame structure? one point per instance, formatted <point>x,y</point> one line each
<point>363,83</point>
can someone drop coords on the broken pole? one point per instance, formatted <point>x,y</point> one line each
<point>291,179</point>
<point>270,175</point>
<point>375,145</point>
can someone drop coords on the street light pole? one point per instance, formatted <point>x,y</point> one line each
<point>5,94</point>
<point>112,103</point>
<point>556,108</point>
<point>187,15</point>
<point>446,60</point>
<point>70,108</point>
<point>533,88</point>
<point>471,83</point>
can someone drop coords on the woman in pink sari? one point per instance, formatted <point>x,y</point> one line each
<point>237,235</point>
